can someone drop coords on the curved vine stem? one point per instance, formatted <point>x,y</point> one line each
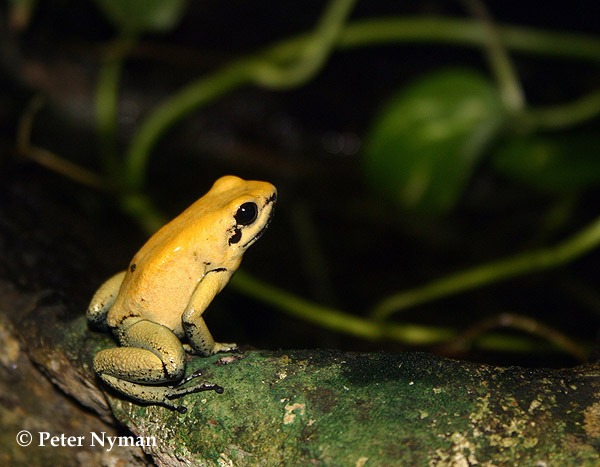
<point>335,319</point>
<point>312,56</point>
<point>366,328</point>
<point>107,101</point>
<point>564,116</point>
<point>359,34</point>
<point>298,64</point>
<point>499,60</point>
<point>47,158</point>
<point>522,323</point>
<point>496,271</point>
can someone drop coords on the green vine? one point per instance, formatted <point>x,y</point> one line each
<point>291,63</point>
<point>250,70</point>
<point>479,276</point>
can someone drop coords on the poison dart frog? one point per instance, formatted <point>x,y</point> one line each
<point>168,285</point>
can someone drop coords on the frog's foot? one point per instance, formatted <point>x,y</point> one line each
<point>219,347</point>
<point>177,391</point>
<point>189,349</point>
<point>191,376</point>
<point>223,347</point>
<point>161,395</point>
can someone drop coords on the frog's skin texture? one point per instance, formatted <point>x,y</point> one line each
<point>162,295</point>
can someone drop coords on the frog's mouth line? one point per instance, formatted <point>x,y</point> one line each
<point>261,232</point>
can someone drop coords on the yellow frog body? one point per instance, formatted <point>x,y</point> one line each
<point>160,298</point>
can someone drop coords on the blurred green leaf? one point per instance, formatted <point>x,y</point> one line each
<point>139,16</point>
<point>555,163</point>
<point>422,148</point>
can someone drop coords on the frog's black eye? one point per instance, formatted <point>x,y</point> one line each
<point>246,214</point>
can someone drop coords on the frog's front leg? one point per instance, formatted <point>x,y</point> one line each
<point>199,337</point>
<point>151,355</point>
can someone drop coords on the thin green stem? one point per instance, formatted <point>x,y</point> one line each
<point>522,323</point>
<point>313,54</point>
<point>358,34</point>
<point>506,76</point>
<point>106,112</point>
<point>175,108</point>
<point>47,158</point>
<point>309,54</point>
<point>107,102</point>
<point>451,31</point>
<point>365,328</point>
<point>337,320</point>
<point>143,210</point>
<point>493,272</point>
<point>563,116</point>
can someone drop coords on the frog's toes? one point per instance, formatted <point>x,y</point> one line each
<point>174,392</point>
<point>177,391</point>
<point>189,377</point>
<point>223,347</point>
<point>180,408</point>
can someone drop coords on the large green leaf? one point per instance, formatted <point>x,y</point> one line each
<point>553,163</point>
<point>139,16</point>
<point>423,146</point>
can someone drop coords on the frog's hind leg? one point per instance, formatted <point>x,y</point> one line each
<point>103,299</point>
<point>152,355</point>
